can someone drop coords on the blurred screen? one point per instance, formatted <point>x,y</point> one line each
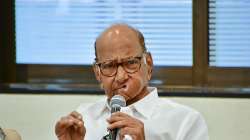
<point>64,31</point>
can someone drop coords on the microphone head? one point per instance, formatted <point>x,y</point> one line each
<point>117,101</point>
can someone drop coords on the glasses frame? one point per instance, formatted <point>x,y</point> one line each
<point>139,57</point>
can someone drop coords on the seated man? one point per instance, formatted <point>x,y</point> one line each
<point>124,67</point>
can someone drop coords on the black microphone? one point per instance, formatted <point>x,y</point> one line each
<point>116,103</point>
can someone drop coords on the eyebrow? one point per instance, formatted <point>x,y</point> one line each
<point>121,58</point>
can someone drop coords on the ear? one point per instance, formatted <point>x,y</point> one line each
<point>97,72</point>
<point>149,63</point>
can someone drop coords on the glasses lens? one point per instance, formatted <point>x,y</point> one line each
<point>132,65</point>
<point>108,68</point>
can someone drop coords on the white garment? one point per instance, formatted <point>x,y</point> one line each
<point>163,119</point>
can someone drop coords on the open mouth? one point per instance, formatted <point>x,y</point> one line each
<point>120,88</point>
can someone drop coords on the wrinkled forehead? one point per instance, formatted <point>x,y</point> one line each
<point>117,42</point>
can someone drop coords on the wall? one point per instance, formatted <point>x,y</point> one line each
<point>34,116</point>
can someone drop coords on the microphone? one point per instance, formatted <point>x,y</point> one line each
<point>116,103</point>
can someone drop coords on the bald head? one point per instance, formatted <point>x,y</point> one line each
<point>121,31</point>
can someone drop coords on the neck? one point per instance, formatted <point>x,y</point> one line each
<point>138,97</point>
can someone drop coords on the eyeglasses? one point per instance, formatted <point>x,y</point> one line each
<point>130,65</point>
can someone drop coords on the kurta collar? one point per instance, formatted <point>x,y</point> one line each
<point>145,106</point>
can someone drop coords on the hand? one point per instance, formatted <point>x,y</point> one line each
<point>70,127</point>
<point>127,125</point>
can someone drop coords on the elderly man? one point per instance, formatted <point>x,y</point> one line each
<point>123,67</point>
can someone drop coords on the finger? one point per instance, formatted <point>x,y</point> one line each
<point>79,133</point>
<point>118,124</point>
<point>121,114</point>
<point>76,115</point>
<point>120,120</point>
<point>118,116</point>
<point>113,119</point>
<point>62,125</point>
<point>78,125</point>
<point>76,122</point>
<point>64,122</point>
<point>81,129</point>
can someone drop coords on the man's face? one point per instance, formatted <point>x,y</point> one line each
<point>118,44</point>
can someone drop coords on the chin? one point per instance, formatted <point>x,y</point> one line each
<point>109,96</point>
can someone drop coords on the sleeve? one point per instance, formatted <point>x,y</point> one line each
<point>193,127</point>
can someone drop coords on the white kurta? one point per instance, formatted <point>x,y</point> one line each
<point>163,119</point>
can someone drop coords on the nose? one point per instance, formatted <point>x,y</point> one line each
<point>121,75</point>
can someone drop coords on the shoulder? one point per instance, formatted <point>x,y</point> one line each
<point>169,107</point>
<point>165,107</point>
<point>173,105</point>
<point>180,116</point>
<point>190,122</point>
